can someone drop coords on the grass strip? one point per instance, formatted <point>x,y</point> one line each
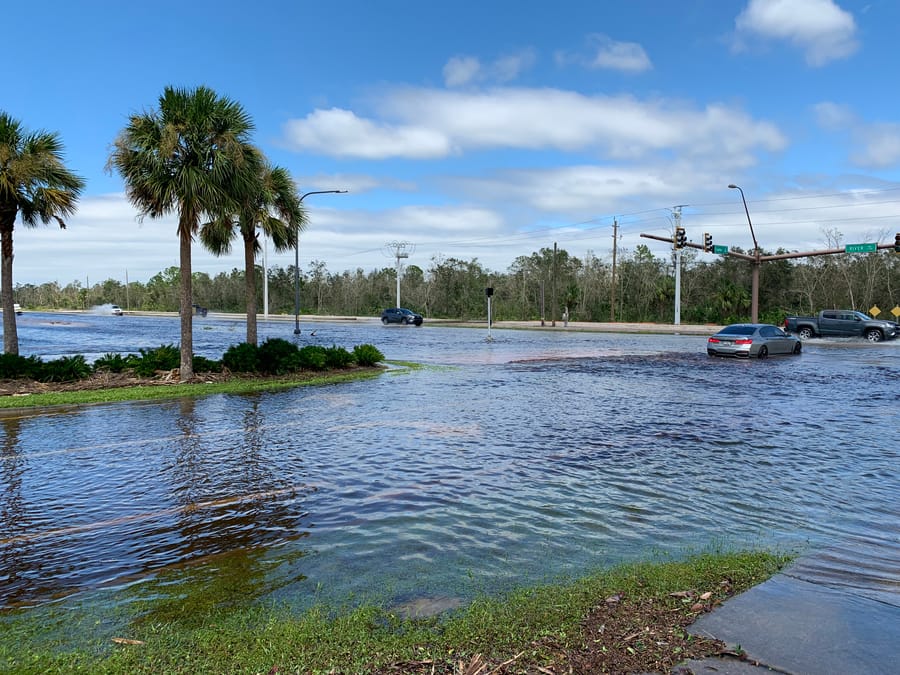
<point>629,618</point>
<point>236,385</point>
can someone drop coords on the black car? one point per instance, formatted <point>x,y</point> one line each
<point>400,315</point>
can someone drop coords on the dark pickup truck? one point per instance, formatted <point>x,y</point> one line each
<point>841,323</point>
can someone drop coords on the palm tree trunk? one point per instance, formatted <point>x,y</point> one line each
<point>10,336</point>
<point>187,311</point>
<point>250,285</point>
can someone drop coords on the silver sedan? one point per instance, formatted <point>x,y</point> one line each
<point>752,339</point>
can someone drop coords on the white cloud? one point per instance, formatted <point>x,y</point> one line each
<point>606,53</point>
<point>508,68</point>
<point>431,123</point>
<point>878,146</point>
<point>628,57</point>
<point>833,116</point>
<point>354,183</point>
<point>823,30</point>
<point>875,145</point>
<point>460,70</point>
<point>341,133</point>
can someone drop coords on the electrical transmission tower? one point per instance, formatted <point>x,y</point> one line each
<point>399,250</point>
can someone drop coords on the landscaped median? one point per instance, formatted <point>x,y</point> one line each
<point>153,374</point>
<point>629,619</point>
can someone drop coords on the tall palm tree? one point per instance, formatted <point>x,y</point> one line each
<point>36,185</point>
<point>191,157</point>
<point>275,209</point>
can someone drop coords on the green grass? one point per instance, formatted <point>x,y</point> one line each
<point>369,639</point>
<point>169,391</point>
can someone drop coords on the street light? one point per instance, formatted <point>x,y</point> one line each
<point>297,260</point>
<point>754,283</point>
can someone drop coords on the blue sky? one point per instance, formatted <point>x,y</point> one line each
<point>481,130</point>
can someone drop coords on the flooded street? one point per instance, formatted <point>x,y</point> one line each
<point>500,463</point>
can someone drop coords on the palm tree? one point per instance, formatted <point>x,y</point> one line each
<point>190,157</point>
<point>35,184</point>
<point>276,209</point>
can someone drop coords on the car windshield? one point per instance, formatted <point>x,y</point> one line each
<point>738,330</point>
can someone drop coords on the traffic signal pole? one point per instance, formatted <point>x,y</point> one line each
<point>757,259</point>
<point>678,243</point>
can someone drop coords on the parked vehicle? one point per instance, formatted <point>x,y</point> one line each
<point>841,323</point>
<point>400,315</point>
<point>17,308</point>
<point>752,340</point>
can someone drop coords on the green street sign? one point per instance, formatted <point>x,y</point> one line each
<point>860,248</point>
<point>720,250</point>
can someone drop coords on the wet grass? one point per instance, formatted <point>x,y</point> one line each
<point>155,391</point>
<point>552,627</point>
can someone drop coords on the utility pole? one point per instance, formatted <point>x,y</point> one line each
<point>553,299</point>
<point>265,277</point>
<point>612,300</point>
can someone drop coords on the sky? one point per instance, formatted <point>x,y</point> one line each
<point>480,130</point>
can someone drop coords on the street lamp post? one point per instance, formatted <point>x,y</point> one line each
<point>754,283</point>
<point>297,260</point>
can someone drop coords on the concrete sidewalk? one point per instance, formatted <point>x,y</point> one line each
<point>789,625</point>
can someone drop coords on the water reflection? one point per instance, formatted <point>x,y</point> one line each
<point>504,463</point>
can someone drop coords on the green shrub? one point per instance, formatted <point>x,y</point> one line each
<point>16,367</point>
<point>164,357</point>
<point>312,357</point>
<point>338,357</point>
<point>367,355</point>
<point>277,356</point>
<point>241,358</point>
<point>65,369</point>
<point>205,365</point>
<point>114,363</point>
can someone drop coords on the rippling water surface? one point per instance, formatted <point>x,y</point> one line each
<point>504,462</point>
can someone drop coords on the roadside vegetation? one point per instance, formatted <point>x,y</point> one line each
<point>628,619</point>
<point>714,289</point>
<point>153,373</point>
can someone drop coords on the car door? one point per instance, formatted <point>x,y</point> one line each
<point>777,340</point>
<point>829,324</point>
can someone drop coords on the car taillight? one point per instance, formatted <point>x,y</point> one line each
<point>712,339</point>
<point>744,341</point>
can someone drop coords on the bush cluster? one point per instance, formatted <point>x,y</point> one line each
<point>275,356</point>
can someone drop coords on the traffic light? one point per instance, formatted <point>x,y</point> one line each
<point>897,243</point>
<point>680,237</point>
<point>707,242</point>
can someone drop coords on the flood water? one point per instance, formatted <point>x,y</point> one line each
<point>518,460</point>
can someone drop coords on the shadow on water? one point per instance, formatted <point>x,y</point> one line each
<point>534,455</point>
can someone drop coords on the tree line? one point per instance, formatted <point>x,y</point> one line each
<point>714,289</point>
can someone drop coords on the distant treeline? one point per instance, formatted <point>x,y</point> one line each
<point>713,290</point>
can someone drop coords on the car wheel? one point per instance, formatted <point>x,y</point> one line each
<point>763,352</point>
<point>384,320</point>
<point>874,335</point>
<point>805,333</point>
<point>797,348</point>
